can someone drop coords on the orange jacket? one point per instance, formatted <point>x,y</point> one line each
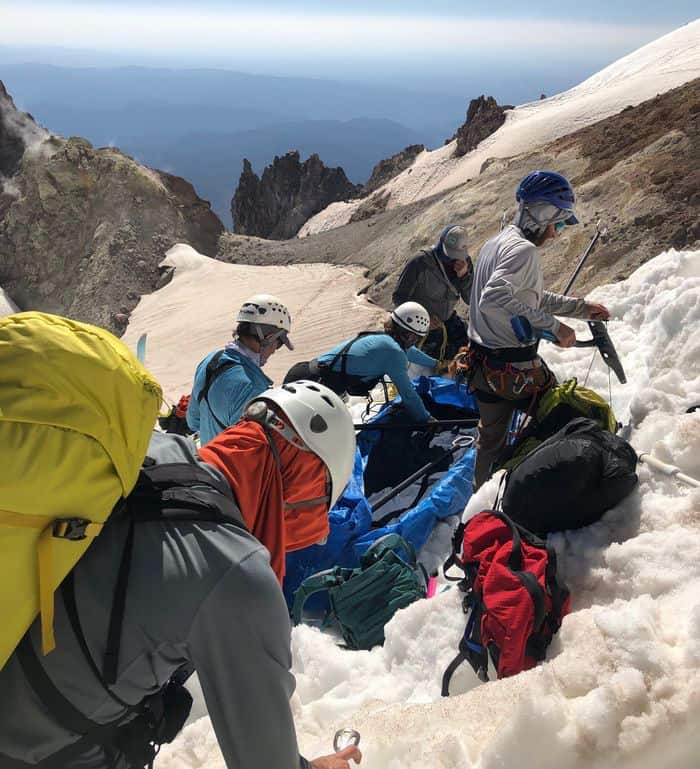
<point>266,494</point>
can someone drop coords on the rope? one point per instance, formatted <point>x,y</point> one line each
<point>590,366</point>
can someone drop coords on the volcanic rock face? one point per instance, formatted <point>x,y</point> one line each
<point>484,117</point>
<point>289,192</point>
<point>87,231</point>
<point>387,169</point>
<point>18,130</point>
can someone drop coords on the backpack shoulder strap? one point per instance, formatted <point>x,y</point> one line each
<point>176,491</point>
<point>213,371</point>
<point>64,712</point>
<point>316,583</point>
<point>343,354</point>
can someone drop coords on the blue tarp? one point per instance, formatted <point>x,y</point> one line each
<point>350,519</point>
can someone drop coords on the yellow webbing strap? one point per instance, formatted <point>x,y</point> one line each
<point>45,558</point>
<point>443,344</point>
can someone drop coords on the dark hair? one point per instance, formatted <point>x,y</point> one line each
<point>399,334</point>
<point>244,328</point>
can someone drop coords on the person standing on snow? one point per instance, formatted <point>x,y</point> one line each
<point>358,364</point>
<point>227,379</point>
<point>503,372</point>
<point>199,594</point>
<point>437,278</point>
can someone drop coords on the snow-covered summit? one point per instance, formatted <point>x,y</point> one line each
<point>663,64</point>
<point>621,687</point>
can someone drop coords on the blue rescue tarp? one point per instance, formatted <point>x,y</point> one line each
<point>351,531</point>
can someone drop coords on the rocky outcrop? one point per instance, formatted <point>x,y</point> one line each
<point>484,117</point>
<point>277,204</point>
<point>371,206</point>
<point>637,171</point>
<point>87,231</point>
<point>387,169</point>
<point>18,131</point>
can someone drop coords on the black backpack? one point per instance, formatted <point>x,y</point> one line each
<point>570,479</point>
<point>177,491</point>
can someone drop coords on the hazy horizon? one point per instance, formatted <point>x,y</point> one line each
<point>255,80</point>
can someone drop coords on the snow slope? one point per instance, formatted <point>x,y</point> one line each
<point>7,306</point>
<point>621,688</point>
<point>666,63</point>
<point>194,314</point>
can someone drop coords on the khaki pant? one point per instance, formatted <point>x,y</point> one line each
<point>495,417</point>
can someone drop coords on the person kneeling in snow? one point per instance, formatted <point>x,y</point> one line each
<point>199,594</point>
<point>358,364</point>
<point>227,379</point>
<point>504,372</point>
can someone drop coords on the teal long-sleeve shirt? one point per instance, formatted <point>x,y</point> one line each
<point>376,355</point>
<point>228,394</point>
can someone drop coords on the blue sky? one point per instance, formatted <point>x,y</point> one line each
<point>675,12</point>
<point>409,39</point>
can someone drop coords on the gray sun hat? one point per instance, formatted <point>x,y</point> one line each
<point>454,242</point>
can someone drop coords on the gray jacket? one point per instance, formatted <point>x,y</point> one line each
<point>508,282</point>
<point>427,281</point>
<point>198,593</point>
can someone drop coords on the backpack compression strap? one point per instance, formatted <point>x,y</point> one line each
<point>72,529</point>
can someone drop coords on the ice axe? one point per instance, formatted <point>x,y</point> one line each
<point>599,332</point>
<point>600,339</point>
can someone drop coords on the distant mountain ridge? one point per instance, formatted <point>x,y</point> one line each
<point>155,115</point>
<point>213,162</point>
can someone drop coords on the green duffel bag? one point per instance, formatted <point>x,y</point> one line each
<point>363,600</point>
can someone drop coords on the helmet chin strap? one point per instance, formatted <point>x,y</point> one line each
<point>260,413</point>
<point>266,417</point>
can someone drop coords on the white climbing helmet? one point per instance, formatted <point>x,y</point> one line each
<point>321,423</point>
<point>413,317</point>
<point>267,310</point>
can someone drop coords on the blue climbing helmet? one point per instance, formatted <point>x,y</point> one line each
<point>548,187</point>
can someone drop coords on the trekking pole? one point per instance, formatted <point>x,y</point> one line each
<point>444,423</point>
<point>598,234</point>
<point>666,469</point>
<point>463,443</point>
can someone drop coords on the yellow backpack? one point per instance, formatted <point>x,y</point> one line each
<point>76,414</point>
<point>556,408</point>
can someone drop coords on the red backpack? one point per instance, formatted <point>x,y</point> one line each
<point>513,598</point>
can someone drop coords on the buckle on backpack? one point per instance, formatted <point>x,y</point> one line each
<point>73,529</point>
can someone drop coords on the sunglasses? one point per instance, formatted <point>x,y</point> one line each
<point>276,339</point>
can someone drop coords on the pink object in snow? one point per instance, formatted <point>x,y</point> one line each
<point>432,587</point>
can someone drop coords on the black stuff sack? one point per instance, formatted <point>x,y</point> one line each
<point>570,479</point>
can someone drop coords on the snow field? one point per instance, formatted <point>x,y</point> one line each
<point>663,64</point>
<point>195,313</point>
<point>7,306</point>
<point>621,687</point>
